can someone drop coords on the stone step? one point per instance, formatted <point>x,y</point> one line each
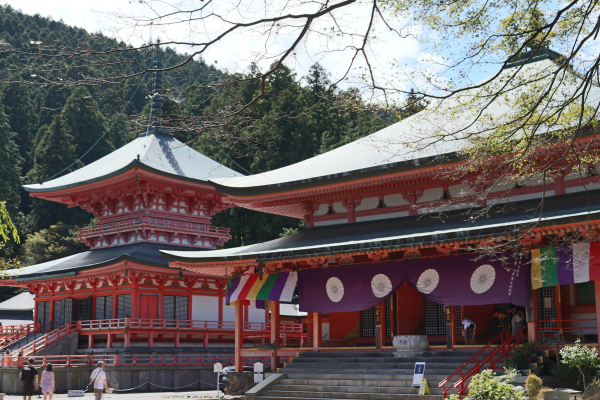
<point>360,371</point>
<point>384,354</point>
<point>397,397</point>
<point>386,360</point>
<point>402,381</point>
<point>351,389</point>
<point>368,366</point>
<point>360,378</point>
<point>343,395</point>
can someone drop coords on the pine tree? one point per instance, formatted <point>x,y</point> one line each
<point>83,121</point>
<point>10,166</point>
<point>53,104</point>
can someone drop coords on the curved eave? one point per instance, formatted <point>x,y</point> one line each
<point>134,164</point>
<point>74,271</point>
<point>363,173</point>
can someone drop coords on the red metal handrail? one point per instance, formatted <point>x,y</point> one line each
<point>508,343</point>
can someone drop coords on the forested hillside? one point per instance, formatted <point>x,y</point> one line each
<point>45,128</point>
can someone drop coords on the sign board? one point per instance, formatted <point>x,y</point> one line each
<point>258,378</point>
<point>258,368</point>
<point>547,302</point>
<point>424,388</point>
<point>218,367</point>
<point>418,374</point>
<point>76,393</point>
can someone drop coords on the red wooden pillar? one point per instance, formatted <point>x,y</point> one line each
<point>317,337</point>
<point>597,287</point>
<point>558,305</point>
<point>135,301</point>
<point>239,324</point>
<point>206,339</point>
<point>127,339</point>
<point>109,340</point>
<point>275,333</point>
<point>115,306</point>
<point>219,338</point>
<point>35,313</point>
<point>51,311</point>
<point>382,324</point>
<point>90,341</point>
<point>177,339</point>
<point>151,339</point>
<point>453,322</point>
<point>559,185</point>
<point>533,333</point>
<point>398,308</point>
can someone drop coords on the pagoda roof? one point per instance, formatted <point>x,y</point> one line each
<point>141,253</point>
<point>408,144</point>
<point>421,230</point>
<point>159,153</point>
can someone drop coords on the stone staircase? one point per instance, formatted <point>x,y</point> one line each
<point>363,375</point>
<point>22,341</point>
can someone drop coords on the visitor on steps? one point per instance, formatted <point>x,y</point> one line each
<point>497,323</point>
<point>48,386</point>
<point>468,330</point>
<point>28,376</point>
<point>98,379</point>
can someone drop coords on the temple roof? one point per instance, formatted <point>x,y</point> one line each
<point>411,143</point>
<point>421,230</point>
<point>158,153</point>
<point>141,253</point>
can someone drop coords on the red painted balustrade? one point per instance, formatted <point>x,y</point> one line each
<point>139,360</point>
<point>15,332</point>
<point>565,330</point>
<point>154,222</point>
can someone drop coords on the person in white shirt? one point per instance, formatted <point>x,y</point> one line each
<point>98,378</point>
<point>468,330</point>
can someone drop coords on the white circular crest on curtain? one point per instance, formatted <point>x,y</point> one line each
<point>335,289</point>
<point>483,278</point>
<point>428,281</point>
<point>381,285</point>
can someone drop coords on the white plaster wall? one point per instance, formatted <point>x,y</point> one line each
<point>580,188</point>
<point>461,190</point>
<point>205,308</point>
<point>382,216</point>
<point>393,200</point>
<point>322,209</point>
<point>228,312</point>
<point>431,195</point>
<point>339,208</point>
<point>501,185</point>
<point>448,207</point>
<point>502,200</point>
<point>369,203</point>
<point>255,314</point>
<point>332,222</point>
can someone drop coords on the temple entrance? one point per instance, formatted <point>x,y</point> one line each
<point>149,306</point>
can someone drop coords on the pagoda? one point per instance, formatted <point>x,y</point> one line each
<point>151,194</point>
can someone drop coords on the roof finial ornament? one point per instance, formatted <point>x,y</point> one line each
<point>155,125</point>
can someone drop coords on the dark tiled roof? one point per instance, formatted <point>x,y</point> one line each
<point>409,231</point>
<point>143,253</point>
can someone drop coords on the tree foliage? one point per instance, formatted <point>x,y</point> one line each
<point>52,243</point>
<point>581,357</point>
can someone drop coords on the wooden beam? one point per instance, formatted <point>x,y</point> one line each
<point>239,325</point>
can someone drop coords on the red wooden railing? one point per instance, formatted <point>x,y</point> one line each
<point>486,358</point>
<point>154,222</point>
<point>173,324</point>
<point>562,326</point>
<point>16,332</point>
<point>134,360</point>
<point>251,329</point>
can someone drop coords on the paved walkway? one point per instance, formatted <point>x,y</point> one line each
<point>204,394</point>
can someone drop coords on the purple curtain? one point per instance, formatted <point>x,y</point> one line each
<point>448,280</point>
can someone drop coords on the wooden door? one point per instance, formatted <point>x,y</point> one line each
<point>148,306</point>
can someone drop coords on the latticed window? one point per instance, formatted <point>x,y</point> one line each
<point>176,307</point>
<point>104,306</point>
<point>586,293</point>
<point>123,306</point>
<point>435,318</point>
<point>368,320</point>
<point>546,307</point>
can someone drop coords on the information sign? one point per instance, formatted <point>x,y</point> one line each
<point>218,367</point>
<point>258,378</point>
<point>418,374</point>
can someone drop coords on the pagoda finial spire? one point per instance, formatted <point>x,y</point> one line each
<point>155,124</point>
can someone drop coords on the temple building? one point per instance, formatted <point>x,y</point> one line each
<point>150,194</point>
<point>391,244</point>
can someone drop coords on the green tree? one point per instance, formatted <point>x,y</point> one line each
<point>580,357</point>
<point>56,242</point>
<point>84,121</point>
<point>54,101</point>
<point>10,166</point>
<point>21,117</point>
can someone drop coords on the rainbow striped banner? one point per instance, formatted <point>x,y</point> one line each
<point>566,264</point>
<point>273,287</point>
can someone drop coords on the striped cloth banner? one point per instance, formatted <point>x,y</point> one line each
<point>273,287</point>
<point>566,264</point>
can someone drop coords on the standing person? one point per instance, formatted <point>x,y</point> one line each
<point>28,376</point>
<point>48,386</point>
<point>468,330</point>
<point>519,320</point>
<point>99,379</point>
<point>497,323</point>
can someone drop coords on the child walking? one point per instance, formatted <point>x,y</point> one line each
<point>48,381</point>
